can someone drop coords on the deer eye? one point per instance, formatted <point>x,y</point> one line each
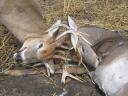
<point>40,46</point>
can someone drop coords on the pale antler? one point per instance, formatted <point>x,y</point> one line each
<point>72,29</point>
<point>53,28</point>
<point>65,74</point>
<point>49,67</point>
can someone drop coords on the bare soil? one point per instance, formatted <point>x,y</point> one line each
<point>38,85</point>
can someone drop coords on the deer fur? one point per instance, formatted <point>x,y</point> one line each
<point>23,18</point>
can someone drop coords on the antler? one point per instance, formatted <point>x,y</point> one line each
<point>73,69</point>
<point>75,35</point>
<point>73,30</point>
<point>53,28</point>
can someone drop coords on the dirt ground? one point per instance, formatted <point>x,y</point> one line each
<point>112,14</point>
<point>38,85</point>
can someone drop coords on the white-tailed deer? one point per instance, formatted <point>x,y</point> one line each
<point>24,19</point>
<point>83,39</point>
<point>111,73</point>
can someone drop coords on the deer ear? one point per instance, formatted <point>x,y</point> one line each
<point>53,29</point>
<point>72,24</point>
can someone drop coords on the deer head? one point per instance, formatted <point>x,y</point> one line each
<point>38,48</point>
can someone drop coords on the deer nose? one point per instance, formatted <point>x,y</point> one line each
<point>17,57</point>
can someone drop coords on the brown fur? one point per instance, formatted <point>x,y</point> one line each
<point>24,19</point>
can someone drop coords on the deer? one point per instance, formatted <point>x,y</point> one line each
<point>23,18</point>
<point>82,42</point>
<point>110,73</point>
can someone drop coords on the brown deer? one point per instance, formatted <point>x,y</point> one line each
<point>24,19</point>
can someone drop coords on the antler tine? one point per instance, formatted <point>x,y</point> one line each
<point>55,24</point>
<point>74,37</point>
<point>65,33</point>
<point>62,57</point>
<point>49,67</point>
<point>52,30</point>
<point>58,25</point>
<point>66,74</point>
<point>84,39</point>
<point>72,24</point>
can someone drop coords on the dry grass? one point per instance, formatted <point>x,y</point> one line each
<point>111,14</point>
<point>8,44</point>
<point>105,13</point>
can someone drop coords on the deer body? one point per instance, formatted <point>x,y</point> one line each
<point>111,74</point>
<point>96,36</point>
